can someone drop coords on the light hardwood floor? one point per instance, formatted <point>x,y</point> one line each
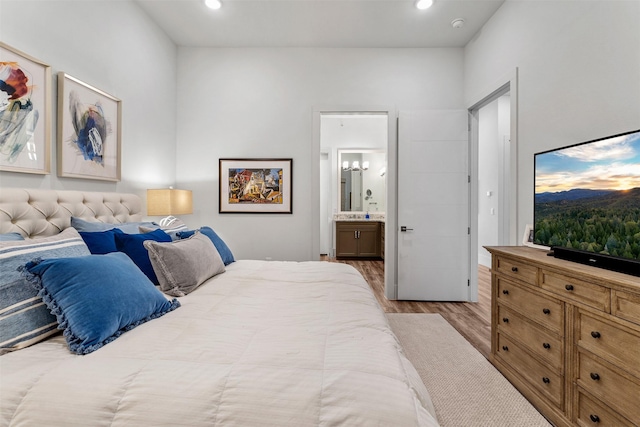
<point>472,320</point>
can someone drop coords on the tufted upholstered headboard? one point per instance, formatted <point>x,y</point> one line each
<point>40,213</point>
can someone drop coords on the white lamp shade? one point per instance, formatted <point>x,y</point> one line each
<point>168,201</point>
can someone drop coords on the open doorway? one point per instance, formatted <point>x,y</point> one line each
<point>494,141</point>
<point>494,121</point>
<point>358,134</point>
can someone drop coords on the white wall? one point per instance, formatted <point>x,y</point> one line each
<point>488,164</point>
<point>115,47</point>
<point>578,66</point>
<point>252,102</point>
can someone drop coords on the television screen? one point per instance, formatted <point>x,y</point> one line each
<point>587,196</point>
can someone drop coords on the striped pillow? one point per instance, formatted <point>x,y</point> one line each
<point>172,229</point>
<point>24,319</point>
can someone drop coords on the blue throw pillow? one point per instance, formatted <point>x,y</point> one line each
<point>24,319</point>
<point>133,245</point>
<point>221,246</point>
<point>100,242</point>
<point>96,298</point>
<point>11,237</point>
<point>127,227</point>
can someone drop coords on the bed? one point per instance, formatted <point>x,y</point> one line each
<point>263,343</point>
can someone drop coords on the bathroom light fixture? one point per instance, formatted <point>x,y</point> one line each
<point>213,4</point>
<point>355,166</point>
<point>424,4</point>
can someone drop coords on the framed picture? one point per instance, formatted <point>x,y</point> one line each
<point>89,131</point>
<point>25,112</point>
<point>255,185</point>
<point>528,237</point>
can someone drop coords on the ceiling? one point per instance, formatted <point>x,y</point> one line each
<point>319,23</point>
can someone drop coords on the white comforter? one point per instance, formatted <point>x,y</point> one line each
<point>266,343</point>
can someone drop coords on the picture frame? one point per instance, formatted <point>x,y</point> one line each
<point>89,131</point>
<point>256,186</point>
<point>25,115</point>
<point>528,238</point>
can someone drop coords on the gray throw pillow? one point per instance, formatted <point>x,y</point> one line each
<point>183,265</point>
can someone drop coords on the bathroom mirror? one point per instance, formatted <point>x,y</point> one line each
<point>362,181</point>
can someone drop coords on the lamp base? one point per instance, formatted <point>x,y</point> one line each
<point>167,221</point>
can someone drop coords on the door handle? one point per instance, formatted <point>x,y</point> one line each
<point>404,228</point>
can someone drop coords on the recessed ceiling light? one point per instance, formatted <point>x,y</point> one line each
<point>424,4</point>
<point>213,4</point>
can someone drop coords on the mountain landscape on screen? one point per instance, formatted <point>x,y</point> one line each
<point>587,197</point>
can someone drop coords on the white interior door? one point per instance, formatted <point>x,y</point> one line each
<point>433,206</point>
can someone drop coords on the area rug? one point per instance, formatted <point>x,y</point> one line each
<point>465,388</point>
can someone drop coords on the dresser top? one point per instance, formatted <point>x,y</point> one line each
<point>540,258</point>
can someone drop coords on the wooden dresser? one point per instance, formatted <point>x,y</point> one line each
<point>567,336</point>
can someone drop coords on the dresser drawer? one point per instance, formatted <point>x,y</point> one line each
<point>541,309</point>
<point>617,391</point>
<point>541,377</point>
<point>544,344</point>
<point>592,413</point>
<point>518,270</point>
<point>577,290</point>
<point>626,306</point>
<point>611,342</point>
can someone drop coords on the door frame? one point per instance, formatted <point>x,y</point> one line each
<point>507,83</point>
<point>390,267</point>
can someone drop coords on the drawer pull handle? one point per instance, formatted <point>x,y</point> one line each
<point>595,334</point>
<point>546,380</point>
<point>546,345</point>
<point>514,269</point>
<point>568,287</point>
<point>546,311</point>
<point>594,418</point>
<point>505,319</point>
<point>594,376</point>
<point>505,348</point>
<point>505,292</point>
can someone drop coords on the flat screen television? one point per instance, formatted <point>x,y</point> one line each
<point>587,202</point>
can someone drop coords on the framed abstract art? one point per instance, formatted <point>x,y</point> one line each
<point>25,112</point>
<point>255,185</point>
<point>89,131</point>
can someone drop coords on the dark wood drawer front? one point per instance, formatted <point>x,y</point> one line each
<point>614,389</point>
<point>541,377</point>
<point>577,290</point>
<point>545,311</point>
<point>517,270</point>
<point>593,413</point>
<point>610,342</point>
<point>541,342</point>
